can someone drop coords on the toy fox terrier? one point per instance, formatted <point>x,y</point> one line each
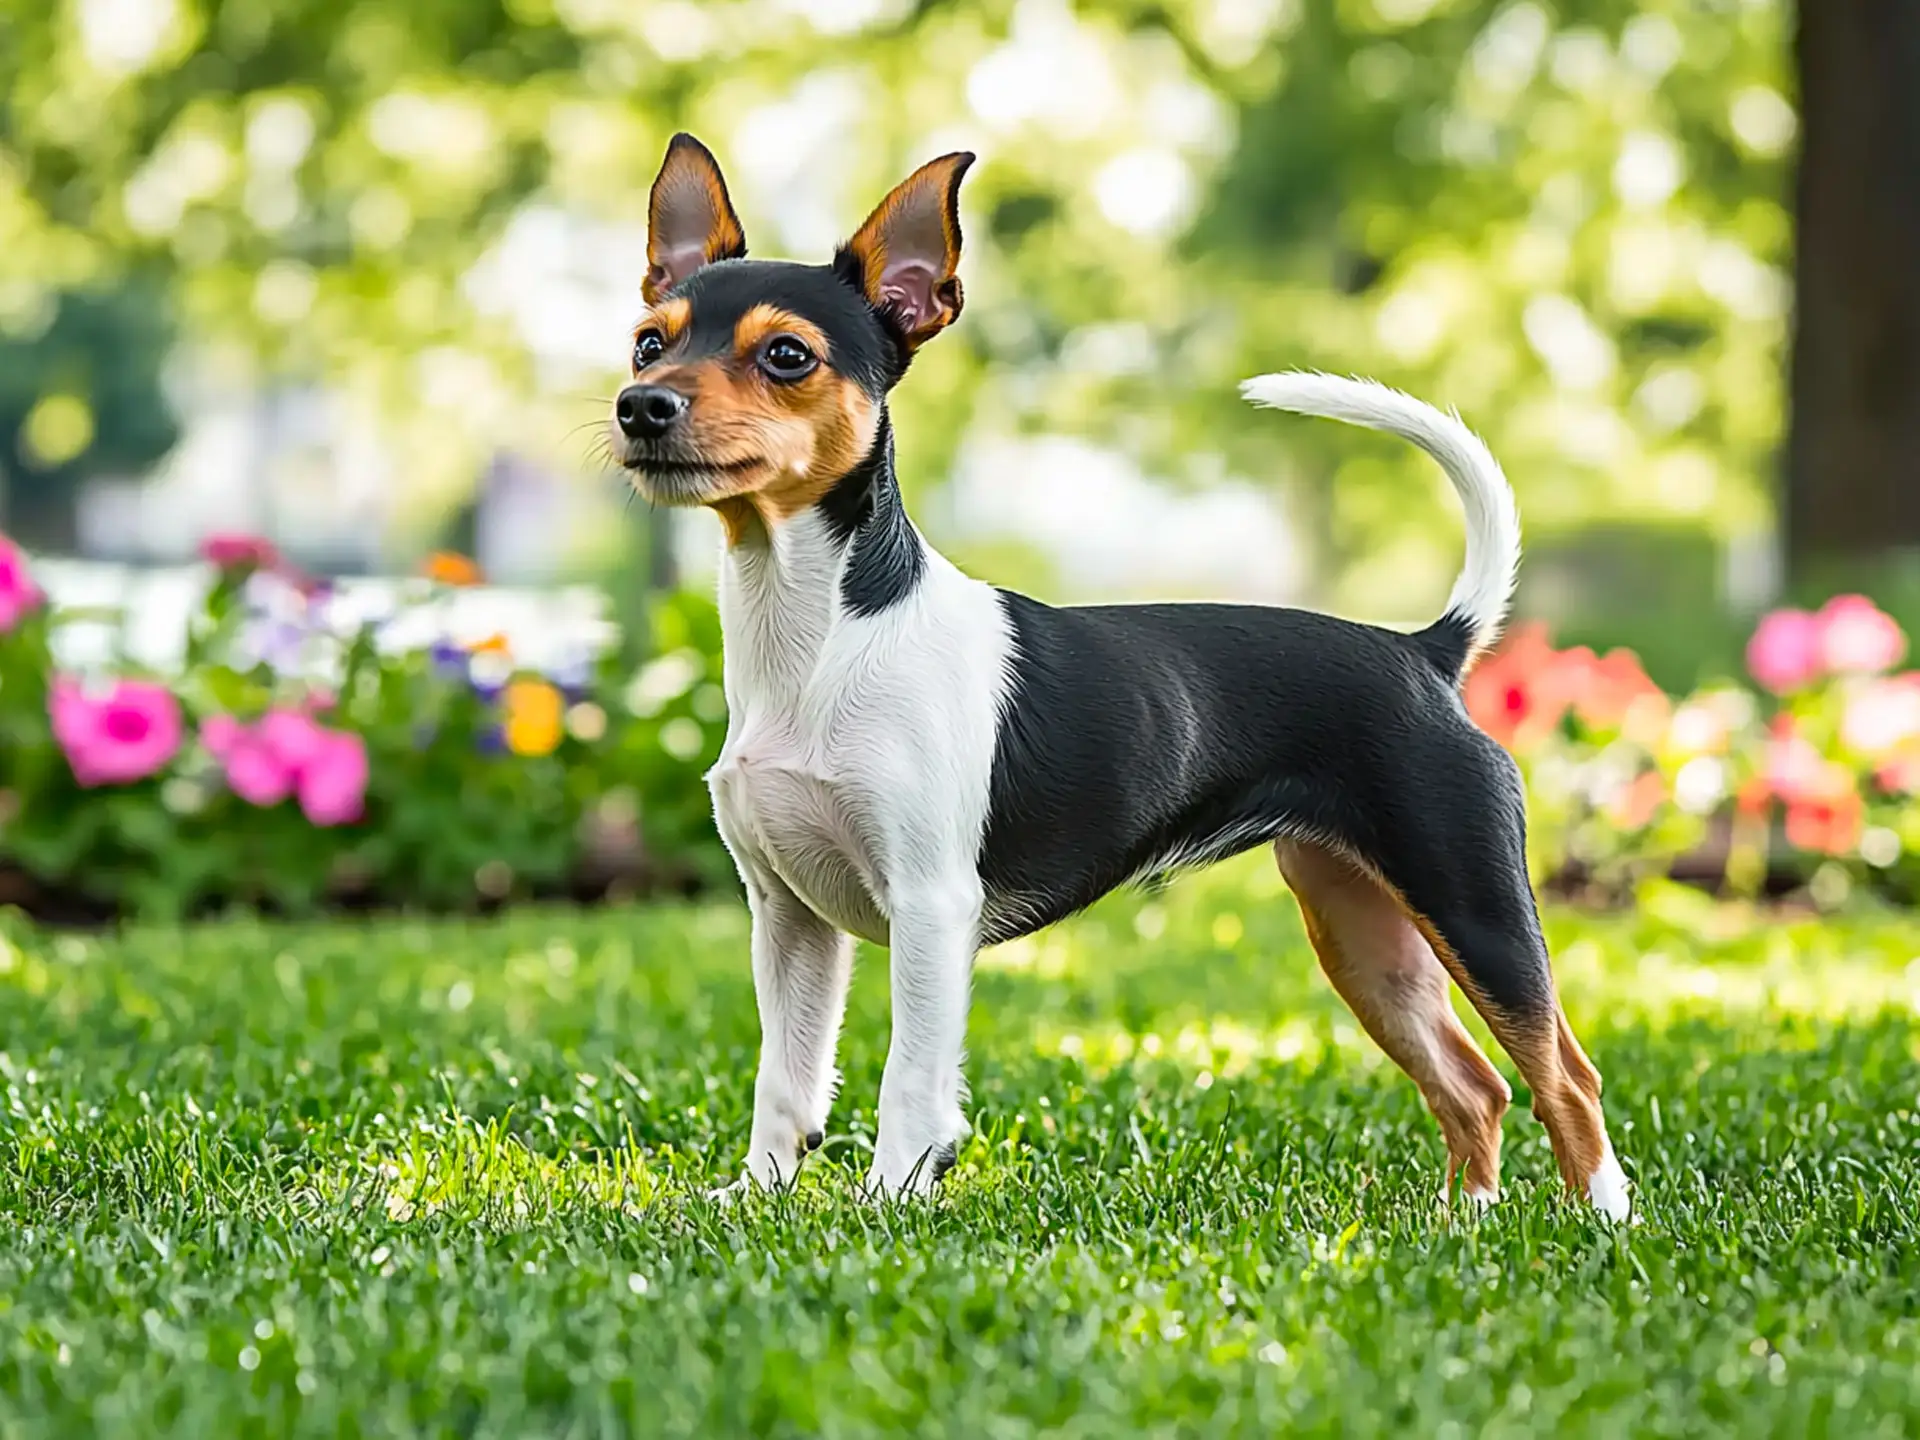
<point>933,764</point>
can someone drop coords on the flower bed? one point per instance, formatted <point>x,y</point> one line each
<point>288,765</point>
<point>293,762</point>
<point>1803,783</point>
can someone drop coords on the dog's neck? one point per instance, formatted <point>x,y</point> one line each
<point>784,587</point>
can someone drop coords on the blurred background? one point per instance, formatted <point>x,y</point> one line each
<point>358,277</point>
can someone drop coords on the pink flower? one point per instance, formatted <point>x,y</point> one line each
<point>1900,773</point>
<point>1698,729</point>
<point>125,735</point>
<point>1856,636</point>
<point>1794,769</point>
<point>1785,652</point>
<point>333,784</point>
<point>232,552</point>
<point>288,752</point>
<point>1882,714</point>
<point>292,736</point>
<point>220,733</point>
<point>255,773</point>
<point>18,593</point>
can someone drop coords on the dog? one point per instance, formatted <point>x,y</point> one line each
<point>933,764</point>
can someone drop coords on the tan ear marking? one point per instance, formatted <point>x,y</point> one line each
<point>908,249</point>
<point>690,218</point>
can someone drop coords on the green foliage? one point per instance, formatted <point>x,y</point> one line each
<point>1568,220</point>
<point>405,1179</point>
<point>80,395</point>
<point>1565,217</point>
<point>485,781</point>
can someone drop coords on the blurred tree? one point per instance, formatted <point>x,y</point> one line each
<point>1853,475</point>
<point>80,397</point>
<point>1563,217</point>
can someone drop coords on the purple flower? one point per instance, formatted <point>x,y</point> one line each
<point>277,644</point>
<point>448,660</point>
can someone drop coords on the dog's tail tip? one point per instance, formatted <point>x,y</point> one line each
<point>1478,604</point>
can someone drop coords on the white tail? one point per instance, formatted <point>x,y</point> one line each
<point>1481,594</point>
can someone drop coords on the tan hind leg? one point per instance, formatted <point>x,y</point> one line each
<point>1444,823</point>
<point>1383,967</point>
<point>1566,1098</point>
<point>1524,1015</point>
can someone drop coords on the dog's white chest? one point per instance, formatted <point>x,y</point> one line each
<point>783,806</point>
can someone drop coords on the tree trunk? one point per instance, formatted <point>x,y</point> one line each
<point>1853,462</point>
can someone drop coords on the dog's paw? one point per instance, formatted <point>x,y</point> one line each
<point>731,1192</point>
<point>764,1170</point>
<point>1609,1192</point>
<point>1469,1200</point>
<point>904,1175</point>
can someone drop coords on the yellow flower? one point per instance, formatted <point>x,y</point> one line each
<point>447,568</point>
<point>535,717</point>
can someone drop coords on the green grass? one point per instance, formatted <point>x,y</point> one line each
<point>401,1178</point>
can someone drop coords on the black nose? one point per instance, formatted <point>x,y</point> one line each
<point>646,412</point>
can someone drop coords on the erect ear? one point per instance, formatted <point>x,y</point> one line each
<point>690,220</point>
<point>904,257</point>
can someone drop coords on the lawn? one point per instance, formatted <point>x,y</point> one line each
<point>405,1178</point>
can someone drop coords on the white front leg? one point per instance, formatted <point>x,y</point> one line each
<point>801,965</point>
<point>935,931</point>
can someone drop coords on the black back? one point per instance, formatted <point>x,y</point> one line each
<point>1137,738</point>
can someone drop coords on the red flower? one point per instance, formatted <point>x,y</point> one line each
<point>1521,691</point>
<point>1515,694</point>
<point>1634,806</point>
<point>1616,692</point>
<point>1829,826</point>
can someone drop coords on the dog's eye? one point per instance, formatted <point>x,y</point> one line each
<point>786,358</point>
<point>647,348</point>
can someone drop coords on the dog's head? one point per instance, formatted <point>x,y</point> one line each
<point>758,383</point>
